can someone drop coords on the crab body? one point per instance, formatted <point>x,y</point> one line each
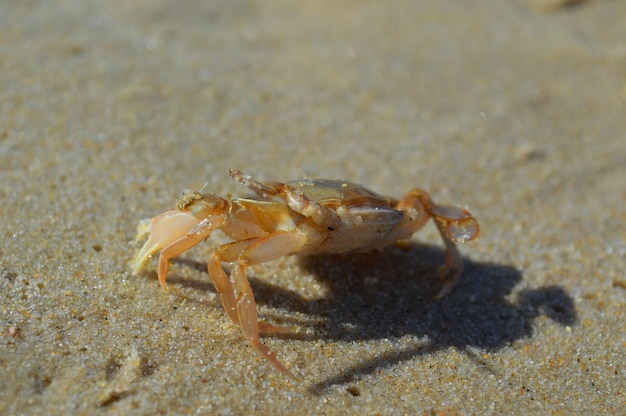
<point>304,217</point>
<point>346,221</point>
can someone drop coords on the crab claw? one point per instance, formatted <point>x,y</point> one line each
<point>164,229</point>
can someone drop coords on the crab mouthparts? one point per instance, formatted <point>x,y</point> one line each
<point>164,229</point>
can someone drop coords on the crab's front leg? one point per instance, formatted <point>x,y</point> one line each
<point>456,225</point>
<point>223,283</point>
<point>236,294</point>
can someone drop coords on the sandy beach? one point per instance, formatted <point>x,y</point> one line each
<point>515,110</point>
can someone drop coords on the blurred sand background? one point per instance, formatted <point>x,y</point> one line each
<point>515,109</point>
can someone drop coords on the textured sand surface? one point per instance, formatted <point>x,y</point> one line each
<point>516,109</point>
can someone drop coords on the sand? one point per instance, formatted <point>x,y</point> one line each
<point>515,110</point>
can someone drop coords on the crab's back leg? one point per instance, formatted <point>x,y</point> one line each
<point>264,190</point>
<point>454,224</point>
<point>292,196</point>
<point>236,293</point>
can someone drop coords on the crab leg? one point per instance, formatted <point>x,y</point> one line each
<point>223,285</point>
<point>236,293</point>
<point>264,190</point>
<point>220,279</point>
<point>293,197</point>
<point>455,225</point>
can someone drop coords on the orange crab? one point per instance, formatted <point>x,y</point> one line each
<point>309,216</point>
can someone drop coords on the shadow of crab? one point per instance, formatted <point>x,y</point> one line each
<point>390,294</point>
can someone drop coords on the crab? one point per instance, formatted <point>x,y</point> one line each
<point>305,217</point>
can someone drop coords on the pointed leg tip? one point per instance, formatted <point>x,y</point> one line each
<point>269,356</point>
<point>443,292</point>
<point>287,373</point>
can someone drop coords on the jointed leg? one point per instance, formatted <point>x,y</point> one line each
<point>452,267</point>
<point>236,293</point>
<point>293,197</point>
<point>229,253</point>
<point>222,284</point>
<point>264,190</point>
<point>455,225</point>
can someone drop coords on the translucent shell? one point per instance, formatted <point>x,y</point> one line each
<point>333,194</point>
